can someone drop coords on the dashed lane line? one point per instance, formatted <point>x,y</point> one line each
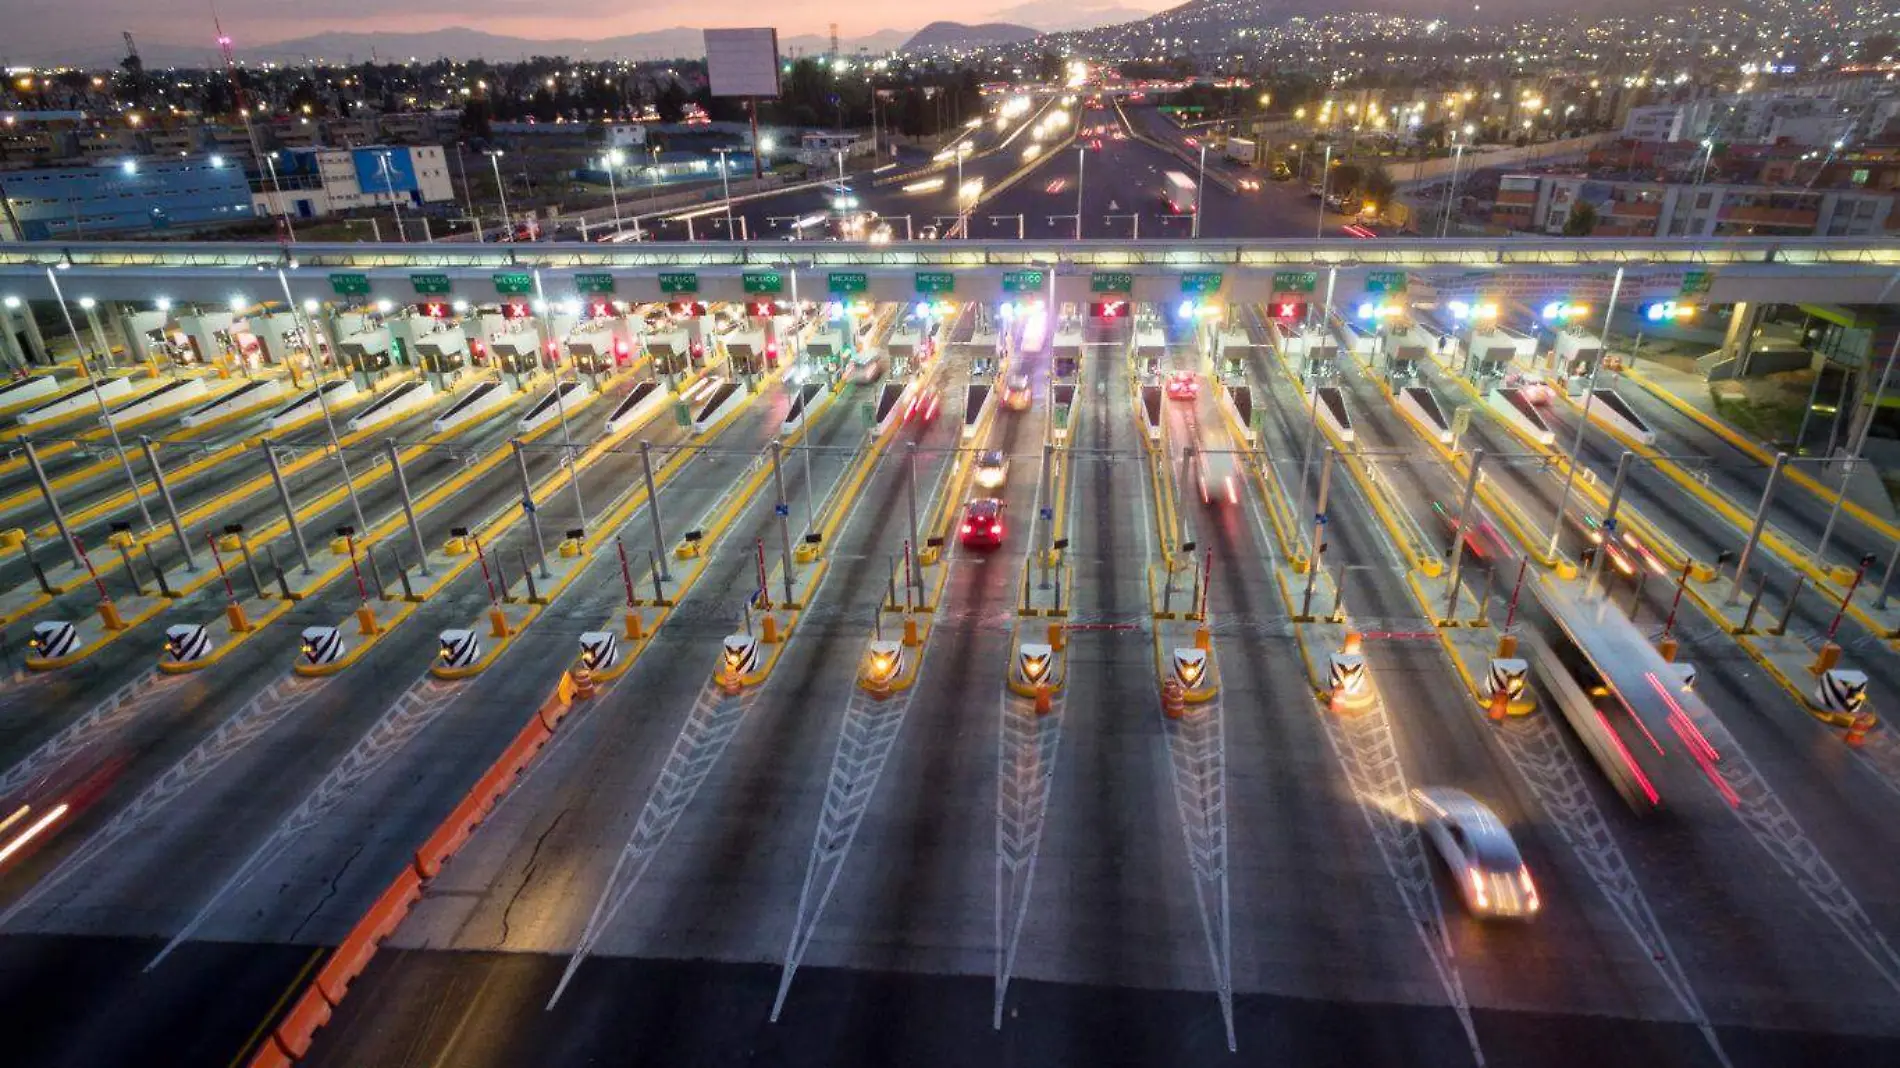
<point>121,707</point>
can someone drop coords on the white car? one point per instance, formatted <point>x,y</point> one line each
<point>1477,848</point>
<point>992,468</point>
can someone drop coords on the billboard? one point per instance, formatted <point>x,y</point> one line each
<point>742,62</point>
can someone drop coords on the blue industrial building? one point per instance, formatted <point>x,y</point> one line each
<point>127,198</point>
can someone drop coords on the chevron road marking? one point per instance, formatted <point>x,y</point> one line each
<point>1368,755</point>
<point>1536,749</point>
<point>713,722</point>
<point>415,709</point>
<point>120,708</point>
<point>1197,748</point>
<point>249,723</point>
<point>865,741</point>
<point>1027,747</point>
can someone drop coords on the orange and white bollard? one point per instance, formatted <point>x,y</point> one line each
<point>1173,699</point>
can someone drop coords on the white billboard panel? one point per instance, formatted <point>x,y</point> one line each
<point>742,62</point>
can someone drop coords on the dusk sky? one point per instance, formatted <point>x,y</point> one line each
<point>90,24</point>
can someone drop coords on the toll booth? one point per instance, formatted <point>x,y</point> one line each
<point>1493,351</point>
<point>1230,352</point>
<point>595,348</point>
<point>208,335</point>
<point>1066,349</point>
<point>518,351</point>
<point>1406,349</point>
<point>1576,354</point>
<point>278,334</point>
<point>1319,360</point>
<point>366,353</point>
<point>144,333</point>
<point>443,353</point>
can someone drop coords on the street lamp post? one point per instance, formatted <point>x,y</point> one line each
<point>1325,173</point>
<point>389,185</point>
<point>725,183</point>
<point>277,191</point>
<point>1200,182</point>
<point>1081,157</point>
<point>613,159</point>
<point>501,193</point>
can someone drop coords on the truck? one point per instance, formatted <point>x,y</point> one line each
<point>1242,151</point>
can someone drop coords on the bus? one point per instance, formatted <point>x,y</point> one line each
<point>1178,190</point>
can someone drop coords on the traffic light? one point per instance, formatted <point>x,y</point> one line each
<point>1464,311</point>
<point>1289,309</point>
<point>435,309</point>
<point>599,309</point>
<point>691,309</point>
<point>1667,311</point>
<point>1108,309</point>
<point>1369,310</point>
<point>1558,311</point>
<point>762,309</point>
<point>514,309</point>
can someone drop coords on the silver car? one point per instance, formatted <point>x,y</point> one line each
<point>1478,850</point>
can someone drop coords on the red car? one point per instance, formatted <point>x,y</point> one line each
<point>923,406</point>
<point>1182,385</point>
<point>1481,537</point>
<point>983,523</point>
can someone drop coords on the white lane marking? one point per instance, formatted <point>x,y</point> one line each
<point>1537,751</point>
<point>1367,753</point>
<point>1197,749</point>
<point>121,707</point>
<point>249,723</point>
<point>1027,747</point>
<point>714,720</point>
<point>413,711</point>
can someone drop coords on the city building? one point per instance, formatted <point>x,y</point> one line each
<point>124,198</point>
<point>322,181</point>
<point>1655,122</point>
<point>820,149</point>
<point>1542,203</point>
<point>588,134</point>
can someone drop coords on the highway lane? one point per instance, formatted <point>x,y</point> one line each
<point>1797,511</point>
<point>1276,209</point>
<point>1723,926</point>
<point>272,777</point>
<point>736,847</point>
<point>1578,955</point>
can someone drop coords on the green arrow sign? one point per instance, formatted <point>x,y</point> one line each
<point>1200,283</point>
<point>1111,282</point>
<point>1385,282</point>
<point>848,282</point>
<point>679,282</point>
<point>514,283</point>
<point>350,285</point>
<point>1295,281</point>
<point>598,282</point>
<point>430,285</point>
<point>1024,281</point>
<point>764,282</point>
<point>935,282</point>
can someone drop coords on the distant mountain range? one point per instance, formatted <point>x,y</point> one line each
<point>943,35</point>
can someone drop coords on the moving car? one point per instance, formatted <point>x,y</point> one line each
<point>1620,556</point>
<point>992,468</point>
<point>983,523</point>
<point>1532,386</point>
<point>1183,385</point>
<point>1016,395</point>
<point>923,406</point>
<point>1251,185</point>
<point>1477,849</point>
<point>1481,537</point>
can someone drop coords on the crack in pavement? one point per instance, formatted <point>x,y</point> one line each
<point>527,874</point>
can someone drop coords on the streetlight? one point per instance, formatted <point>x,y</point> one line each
<point>501,191</point>
<point>1200,181</point>
<point>1451,187</point>
<point>725,183</point>
<point>283,210</point>
<point>389,185</point>
<point>1325,174</point>
<point>613,159</point>
<point>1081,157</point>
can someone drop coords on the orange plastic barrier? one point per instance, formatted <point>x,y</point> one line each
<point>294,1033</point>
<point>301,1022</point>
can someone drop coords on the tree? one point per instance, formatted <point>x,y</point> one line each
<point>1582,220</point>
<point>670,102</point>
